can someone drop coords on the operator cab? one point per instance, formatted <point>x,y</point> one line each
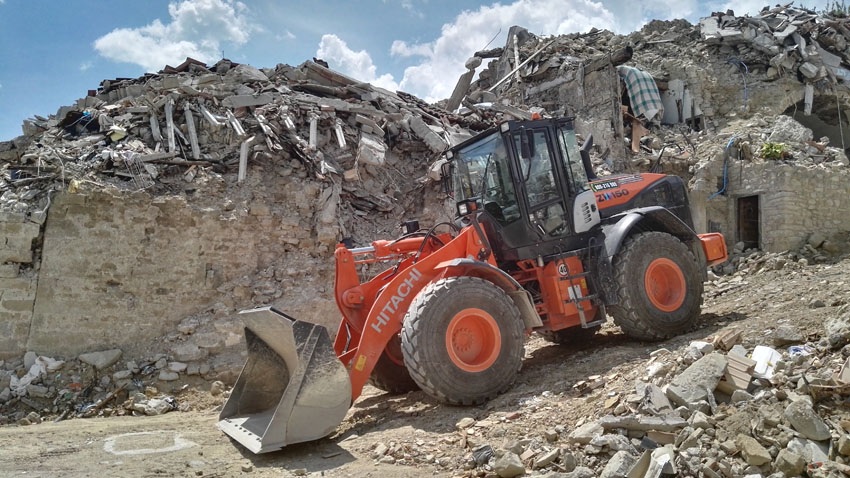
<point>530,179</point>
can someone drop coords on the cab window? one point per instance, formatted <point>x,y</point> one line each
<point>537,171</point>
<point>483,172</point>
<point>572,160</point>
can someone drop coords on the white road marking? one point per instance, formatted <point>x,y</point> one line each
<point>179,444</point>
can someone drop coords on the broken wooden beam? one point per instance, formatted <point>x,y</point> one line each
<point>617,58</point>
<point>147,158</point>
<point>157,134</point>
<point>492,88</point>
<point>235,124</point>
<point>243,159</point>
<point>169,123</point>
<point>211,119</point>
<point>193,135</point>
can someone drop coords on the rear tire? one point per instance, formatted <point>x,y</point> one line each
<point>389,375</point>
<point>659,286</point>
<point>463,340</point>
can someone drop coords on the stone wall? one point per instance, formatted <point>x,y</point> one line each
<point>794,201</point>
<point>112,269</point>
<point>120,270</point>
<point>19,240</point>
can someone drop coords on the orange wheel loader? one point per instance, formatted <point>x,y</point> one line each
<point>538,244</point>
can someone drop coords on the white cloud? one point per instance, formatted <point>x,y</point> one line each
<point>85,65</point>
<point>197,29</point>
<point>287,35</point>
<point>742,7</point>
<point>357,64</point>
<point>443,59</point>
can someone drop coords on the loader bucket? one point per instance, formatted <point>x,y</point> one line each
<point>292,389</point>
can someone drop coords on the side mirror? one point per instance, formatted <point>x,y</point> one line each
<point>446,170</point>
<point>585,158</point>
<point>526,144</point>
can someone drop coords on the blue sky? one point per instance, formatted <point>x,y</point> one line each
<point>52,52</point>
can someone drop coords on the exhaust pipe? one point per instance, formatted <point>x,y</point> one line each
<point>292,389</point>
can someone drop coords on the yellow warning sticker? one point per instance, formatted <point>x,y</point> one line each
<point>361,362</point>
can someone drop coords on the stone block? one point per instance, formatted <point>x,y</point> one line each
<point>188,353</point>
<point>585,433</point>
<point>240,101</point>
<point>9,271</point>
<point>371,150</point>
<point>619,465</point>
<point>698,380</point>
<point>752,451</point>
<point>809,70</point>
<point>17,305</point>
<point>803,418</point>
<point>102,359</point>
<point>426,134</point>
<point>789,463</point>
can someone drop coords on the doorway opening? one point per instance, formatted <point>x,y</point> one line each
<point>748,222</point>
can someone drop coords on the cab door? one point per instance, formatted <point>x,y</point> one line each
<point>541,182</point>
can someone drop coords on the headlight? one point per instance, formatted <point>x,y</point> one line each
<point>462,209</point>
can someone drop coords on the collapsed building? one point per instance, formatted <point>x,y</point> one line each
<point>145,216</point>
<point>728,86</point>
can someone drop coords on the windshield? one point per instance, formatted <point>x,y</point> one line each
<point>472,161</point>
<point>482,172</point>
<point>572,160</point>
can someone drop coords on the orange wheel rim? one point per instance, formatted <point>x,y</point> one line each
<point>665,284</point>
<point>473,340</point>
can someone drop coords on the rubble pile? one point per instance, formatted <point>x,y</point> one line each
<point>788,40</point>
<point>98,384</point>
<point>763,139</point>
<point>159,132</point>
<point>360,158</point>
<point>713,408</point>
<point>819,249</point>
<point>355,156</point>
<point>708,76</point>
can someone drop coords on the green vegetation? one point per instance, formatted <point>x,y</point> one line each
<point>773,151</point>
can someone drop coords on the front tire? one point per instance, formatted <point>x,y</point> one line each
<point>463,340</point>
<point>659,287</point>
<point>390,374</point>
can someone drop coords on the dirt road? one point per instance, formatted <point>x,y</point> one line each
<point>176,444</point>
<point>420,433</point>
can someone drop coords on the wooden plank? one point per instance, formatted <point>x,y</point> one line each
<point>157,134</point>
<point>235,124</point>
<point>210,118</point>
<point>492,88</point>
<point>662,438</point>
<point>516,58</point>
<point>169,124</point>
<point>156,157</point>
<point>243,159</point>
<point>193,135</point>
<point>314,131</point>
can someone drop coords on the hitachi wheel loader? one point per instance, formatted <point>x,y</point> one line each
<point>538,244</point>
